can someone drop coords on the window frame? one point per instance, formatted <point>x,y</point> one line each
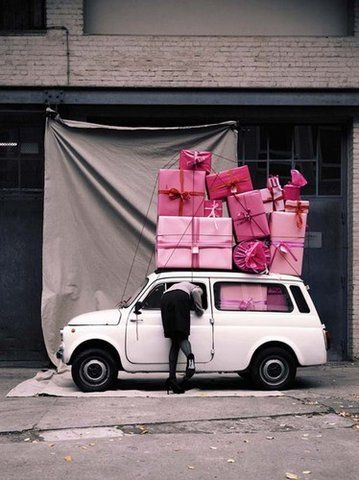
<point>297,287</point>
<point>267,284</point>
<point>169,283</point>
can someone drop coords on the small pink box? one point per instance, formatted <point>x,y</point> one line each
<point>194,242</point>
<point>213,208</point>
<point>243,296</point>
<point>181,193</point>
<point>287,243</point>
<point>299,207</point>
<point>272,196</point>
<point>248,214</point>
<point>291,192</point>
<point>229,182</point>
<point>195,160</point>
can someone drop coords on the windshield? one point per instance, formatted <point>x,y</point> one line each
<point>126,302</point>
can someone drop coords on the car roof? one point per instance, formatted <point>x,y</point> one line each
<point>228,274</point>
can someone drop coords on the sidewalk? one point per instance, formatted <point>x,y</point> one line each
<point>317,415</point>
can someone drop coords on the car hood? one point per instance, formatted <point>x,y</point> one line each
<point>101,317</point>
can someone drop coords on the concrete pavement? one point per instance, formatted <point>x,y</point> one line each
<point>313,427</point>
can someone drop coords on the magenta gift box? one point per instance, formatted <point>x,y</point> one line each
<point>213,208</point>
<point>181,193</point>
<point>229,182</point>
<point>194,242</point>
<point>243,296</point>
<point>195,160</point>
<point>251,256</point>
<point>287,243</point>
<point>291,192</point>
<point>248,214</point>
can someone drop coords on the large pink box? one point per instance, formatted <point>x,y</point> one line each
<point>287,243</point>
<point>195,160</point>
<point>248,214</point>
<point>243,296</point>
<point>229,182</point>
<point>194,242</point>
<point>181,193</point>
<point>213,208</point>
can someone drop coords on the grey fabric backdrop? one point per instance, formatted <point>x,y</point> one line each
<point>100,182</point>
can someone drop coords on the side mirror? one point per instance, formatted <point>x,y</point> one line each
<point>138,307</point>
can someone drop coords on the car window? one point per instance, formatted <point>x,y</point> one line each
<point>153,299</point>
<point>263,297</point>
<point>299,299</point>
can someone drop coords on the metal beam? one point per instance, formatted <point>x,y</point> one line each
<point>161,96</point>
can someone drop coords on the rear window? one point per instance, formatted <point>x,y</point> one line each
<point>299,299</point>
<point>250,297</point>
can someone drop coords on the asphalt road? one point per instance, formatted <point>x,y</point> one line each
<point>309,433</point>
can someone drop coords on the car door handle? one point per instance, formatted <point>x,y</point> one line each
<point>135,320</point>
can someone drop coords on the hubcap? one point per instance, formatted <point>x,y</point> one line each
<point>94,371</point>
<point>274,371</point>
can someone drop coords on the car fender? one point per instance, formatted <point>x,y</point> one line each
<point>83,338</point>
<point>270,339</point>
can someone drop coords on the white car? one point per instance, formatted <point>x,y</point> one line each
<point>260,326</point>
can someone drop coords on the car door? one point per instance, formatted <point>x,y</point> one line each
<point>145,342</point>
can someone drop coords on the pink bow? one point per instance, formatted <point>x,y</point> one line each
<point>196,160</point>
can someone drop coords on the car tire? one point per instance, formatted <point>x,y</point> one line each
<point>273,369</point>
<point>94,370</point>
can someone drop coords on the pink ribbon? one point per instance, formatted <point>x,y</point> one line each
<point>196,160</point>
<point>246,305</point>
<point>251,256</point>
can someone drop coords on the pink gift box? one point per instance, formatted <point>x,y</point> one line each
<point>181,193</point>
<point>187,242</point>
<point>291,192</point>
<point>287,243</point>
<point>213,208</point>
<point>195,160</point>
<point>229,182</point>
<point>299,207</point>
<point>251,256</point>
<point>243,296</point>
<point>248,214</point>
<point>272,196</point>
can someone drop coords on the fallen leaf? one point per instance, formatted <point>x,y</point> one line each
<point>83,447</point>
<point>68,458</point>
<point>144,431</point>
<point>306,472</point>
<point>26,439</point>
<point>213,448</point>
<point>230,460</point>
<point>305,434</point>
<point>92,444</point>
<point>51,445</point>
<point>190,467</point>
<point>270,438</point>
<point>292,476</point>
<point>246,441</point>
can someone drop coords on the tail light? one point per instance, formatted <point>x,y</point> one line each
<point>327,338</point>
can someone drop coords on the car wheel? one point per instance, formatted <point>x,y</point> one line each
<point>273,369</point>
<point>94,370</point>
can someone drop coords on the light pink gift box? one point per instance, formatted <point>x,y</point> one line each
<point>198,242</point>
<point>213,208</point>
<point>243,296</point>
<point>229,182</point>
<point>287,243</point>
<point>272,196</point>
<point>181,193</point>
<point>299,207</point>
<point>195,160</point>
<point>248,214</point>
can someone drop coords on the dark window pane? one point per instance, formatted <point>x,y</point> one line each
<point>280,141</point>
<point>282,169</point>
<point>32,173</point>
<point>9,173</point>
<point>304,142</point>
<point>258,172</point>
<point>299,299</point>
<point>153,299</point>
<point>18,15</point>
<point>330,145</point>
<point>308,169</point>
<point>255,143</point>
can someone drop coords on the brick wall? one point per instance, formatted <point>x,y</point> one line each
<point>148,61</point>
<point>353,259</point>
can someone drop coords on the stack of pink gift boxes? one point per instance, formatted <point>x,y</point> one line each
<point>268,225</point>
